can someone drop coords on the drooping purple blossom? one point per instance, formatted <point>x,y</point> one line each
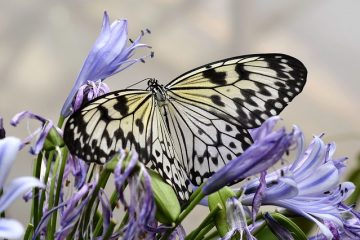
<point>237,221</point>
<point>110,54</point>
<point>40,133</point>
<point>8,150</point>
<point>74,207</point>
<point>141,206</point>
<point>89,91</point>
<point>310,186</point>
<point>178,233</point>
<point>78,170</point>
<point>280,231</point>
<point>261,155</point>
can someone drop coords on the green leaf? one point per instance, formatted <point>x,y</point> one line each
<point>167,204</point>
<point>220,198</point>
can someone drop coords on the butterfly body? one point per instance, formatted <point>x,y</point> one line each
<point>192,126</point>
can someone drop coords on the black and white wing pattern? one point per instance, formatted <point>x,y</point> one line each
<point>118,120</point>
<point>212,106</point>
<point>194,125</point>
<point>126,119</point>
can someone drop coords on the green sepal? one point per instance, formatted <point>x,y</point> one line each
<point>220,198</point>
<point>53,140</point>
<point>287,223</point>
<point>167,204</point>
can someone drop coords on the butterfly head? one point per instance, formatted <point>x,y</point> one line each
<point>157,90</point>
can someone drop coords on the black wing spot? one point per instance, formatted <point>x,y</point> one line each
<point>228,156</point>
<point>216,99</point>
<point>215,77</point>
<point>121,105</point>
<point>228,128</point>
<point>140,125</point>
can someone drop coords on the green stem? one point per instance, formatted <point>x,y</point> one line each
<point>60,122</point>
<point>64,154</point>
<point>109,230</point>
<point>212,235</point>
<point>204,231</point>
<point>46,177</point>
<point>51,197</point>
<point>35,203</point>
<point>113,201</point>
<point>29,231</point>
<point>104,176</point>
<point>198,195</point>
<point>207,221</point>
<point>195,199</point>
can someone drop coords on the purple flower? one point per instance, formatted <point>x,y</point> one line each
<point>41,133</point>
<point>141,207</point>
<point>88,91</point>
<point>236,218</point>
<point>280,231</point>
<point>109,55</point>
<point>8,149</point>
<point>261,155</point>
<point>178,233</point>
<point>77,168</point>
<point>310,186</point>
<point>74,208</point>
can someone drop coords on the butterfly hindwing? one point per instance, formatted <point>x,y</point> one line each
<point>165,158</point>
<point>204,142</point>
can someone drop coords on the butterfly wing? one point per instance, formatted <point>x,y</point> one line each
<point>246,90</point>
<point>127,119</point>
<point>165,158</point>
<point>213,105</point>
<point>203,141</point>
<point>112,122</point>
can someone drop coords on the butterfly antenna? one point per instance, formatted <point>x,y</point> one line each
<point>146,79</point>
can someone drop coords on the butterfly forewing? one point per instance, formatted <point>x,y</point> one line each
<point>107,124</point>
<point>246,90</point>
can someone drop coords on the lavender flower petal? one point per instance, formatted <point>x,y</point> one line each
<point>43,131</point>
<point>109,55</point>
<point>257,158</point>
<point>16,188</point>
<point>106,209</point>
<point>236,218</point>
<point>8,149</point>
<point>280,231</point>
<point>10,228</point>
<point>309,187</point>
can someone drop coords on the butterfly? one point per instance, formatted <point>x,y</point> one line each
<point>192,126</point>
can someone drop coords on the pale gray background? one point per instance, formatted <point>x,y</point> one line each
<point>44,43</point>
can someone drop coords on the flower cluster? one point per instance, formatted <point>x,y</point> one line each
<point>73,199</point>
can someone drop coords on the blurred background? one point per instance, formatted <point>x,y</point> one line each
<point>44,43</point>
